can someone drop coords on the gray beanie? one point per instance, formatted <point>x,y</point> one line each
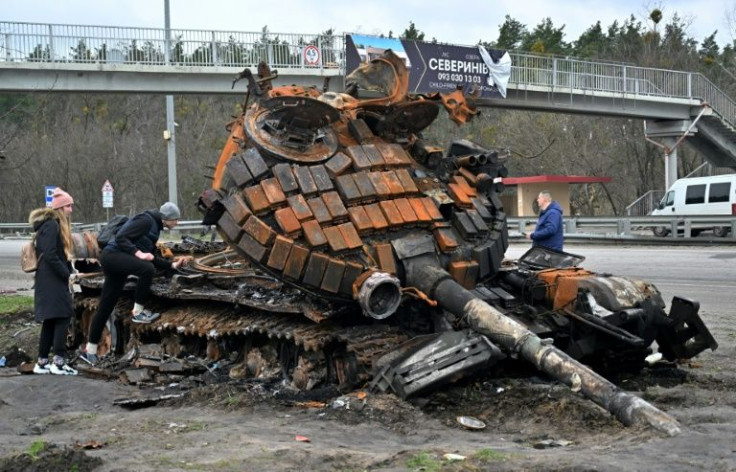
<point>169,211</point>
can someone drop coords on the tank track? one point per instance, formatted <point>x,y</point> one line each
<point>212,324</point>
<point>354,348</point>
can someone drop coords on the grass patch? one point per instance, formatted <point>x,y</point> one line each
<point>196,426</point>
<point>488,455</point>
<point>36,448</point>
<point>425,462</point>
<point>15,303</point>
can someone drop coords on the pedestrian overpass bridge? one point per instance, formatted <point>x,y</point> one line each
<point>106,59</point>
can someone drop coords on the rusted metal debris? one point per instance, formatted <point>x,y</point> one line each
<point>25,368</point>
<point>92,445</point>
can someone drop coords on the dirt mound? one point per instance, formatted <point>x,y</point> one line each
<point>44,457</point>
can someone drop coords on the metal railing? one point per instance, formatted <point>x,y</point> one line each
<point>637,227</point>
<point>630,227</point>
<point>575,76</point>
<point>37,42</point>
<point>644,205</point>
<point>564,74</point>
<point>33,42</point>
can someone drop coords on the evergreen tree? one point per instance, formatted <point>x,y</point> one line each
<point>510,34</point>
<point>412,33</point>
<point>709,49</point>
<point>592,44</point>
<point>546,39</point>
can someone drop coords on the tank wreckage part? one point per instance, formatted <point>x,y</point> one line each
<point>516,339</point>
<point>338,196</point>
<point>359,251</point>
<point>316,192</point>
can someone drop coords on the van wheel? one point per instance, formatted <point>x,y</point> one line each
<point>660,231</point>
<point>720,231</point>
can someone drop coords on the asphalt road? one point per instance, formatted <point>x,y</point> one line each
<point>706,274</point>
<point>11,277</point>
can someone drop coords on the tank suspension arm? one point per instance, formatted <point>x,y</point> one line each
<point>516,339</point>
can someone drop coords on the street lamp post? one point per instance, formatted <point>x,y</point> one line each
<point>170,126</point>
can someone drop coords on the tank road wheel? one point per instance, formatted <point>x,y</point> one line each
<point>660,231</point>
<point>720,231</point>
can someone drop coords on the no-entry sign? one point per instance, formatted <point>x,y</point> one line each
<point>311,55</point>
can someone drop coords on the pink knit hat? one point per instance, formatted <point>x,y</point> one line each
<point>61,199</point>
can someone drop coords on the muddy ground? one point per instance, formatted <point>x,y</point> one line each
<point>70,423</point>
<point>64,423</point>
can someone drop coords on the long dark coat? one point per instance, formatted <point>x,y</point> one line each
<point>52,296</point>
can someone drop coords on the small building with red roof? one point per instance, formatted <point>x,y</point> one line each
<point>524,203</point>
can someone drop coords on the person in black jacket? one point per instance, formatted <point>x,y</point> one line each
<point>52,297</point>
<point>131,252</point>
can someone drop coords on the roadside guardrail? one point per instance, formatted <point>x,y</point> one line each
<point>593,228</point>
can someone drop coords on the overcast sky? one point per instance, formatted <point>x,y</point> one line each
<point>464,23</point>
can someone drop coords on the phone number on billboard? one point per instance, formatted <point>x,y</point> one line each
<point>473,79</point>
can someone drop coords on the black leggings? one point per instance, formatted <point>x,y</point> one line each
<point>53,331</point>
<point>117,266</point>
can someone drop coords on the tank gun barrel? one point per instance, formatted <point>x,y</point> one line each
<point>516,339</point>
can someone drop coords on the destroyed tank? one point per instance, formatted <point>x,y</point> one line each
<point>361,255</point>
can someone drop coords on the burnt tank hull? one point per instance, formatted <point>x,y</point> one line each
<point>355,248</point>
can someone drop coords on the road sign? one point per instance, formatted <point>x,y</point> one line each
<point>107,195</point>
<point>311,55</point>
<point>49,195</point>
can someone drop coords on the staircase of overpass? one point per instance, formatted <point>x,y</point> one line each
<point>38,57</point>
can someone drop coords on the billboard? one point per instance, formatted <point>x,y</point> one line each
<point>437,67</point>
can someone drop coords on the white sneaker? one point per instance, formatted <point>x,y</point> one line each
<point>62,369</point>
<point>42,369</point>
<point>145,317</point>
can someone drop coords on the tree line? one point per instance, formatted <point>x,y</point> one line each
<point>77,141</point>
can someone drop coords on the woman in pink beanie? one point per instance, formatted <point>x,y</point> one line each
<point>61,199</point>
<point>52,299</point>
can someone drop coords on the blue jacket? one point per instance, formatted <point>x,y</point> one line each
<point>548,232</point>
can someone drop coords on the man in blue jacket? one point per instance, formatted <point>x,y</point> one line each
<point>548,232</point>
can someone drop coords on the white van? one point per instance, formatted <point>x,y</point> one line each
<point>715,195</point>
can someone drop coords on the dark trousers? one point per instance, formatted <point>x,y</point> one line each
<point>53,332</point>
<point>117,266</point>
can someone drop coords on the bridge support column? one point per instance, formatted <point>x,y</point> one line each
<point>672,132</point>
<point>670,164</point>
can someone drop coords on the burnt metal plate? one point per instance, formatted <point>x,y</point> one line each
<point>545,258</point>
<point>402,119</point>
<point>427,362</point>
<point>294,128</point>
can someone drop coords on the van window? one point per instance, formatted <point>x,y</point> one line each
<point>669,198</point>
<point>695,194</point>
<point>719,192</point>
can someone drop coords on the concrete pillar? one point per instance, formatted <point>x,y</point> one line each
<point>670,165</point>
